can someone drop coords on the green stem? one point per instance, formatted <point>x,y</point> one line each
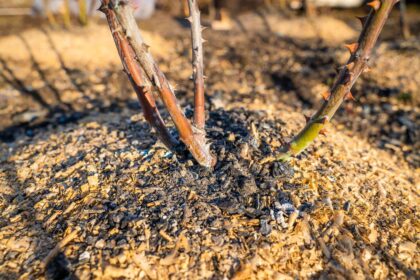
<point>356,65</point>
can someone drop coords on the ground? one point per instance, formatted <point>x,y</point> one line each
<point>87,192</point>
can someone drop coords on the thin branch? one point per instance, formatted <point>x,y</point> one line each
<point>340,91</point>
<point>139,81</point>
<point>60,245</point>
<point>197,63</point>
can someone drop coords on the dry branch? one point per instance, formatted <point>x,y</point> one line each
<point>60,245</point>
<point>341,89</point>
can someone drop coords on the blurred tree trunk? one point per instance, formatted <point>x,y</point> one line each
<point>66,14</point>
<point>405,28</point>
<point>48,13</point>
<point>283,4</point>
<point>309,7</point>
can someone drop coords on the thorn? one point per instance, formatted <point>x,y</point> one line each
<point>323,132</point>
<point>203,41</point>
<point>350,66</point>
<point>375,4</point>
<point>349,96</point>
<point>352,47</point>
<point>204,77</point>
<point>326,95</point>
<point>307,118</point>
<point>190,19</point>
<point>203,28</point>
<point>102,8</point>
<point>146,47</point>
<point>362,20</point>
<point>322,120</point>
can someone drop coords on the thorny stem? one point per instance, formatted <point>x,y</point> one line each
<point>139,81</point>
<point>340,91</point>
<point>197,63</point>
<point>126,22</point>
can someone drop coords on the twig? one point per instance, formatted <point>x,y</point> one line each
<point>340,91</point>
<point>60,245</point>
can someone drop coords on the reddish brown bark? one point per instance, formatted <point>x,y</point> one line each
<point>121,20</point>
<point>197,63</point>
<point>139,81</point>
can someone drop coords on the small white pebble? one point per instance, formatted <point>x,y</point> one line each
<point>85,256</point>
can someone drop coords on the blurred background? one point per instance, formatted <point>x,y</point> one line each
<point>62,11</point>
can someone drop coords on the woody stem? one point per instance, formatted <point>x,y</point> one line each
<point>139,81</point>
<point>126,22</point>
<point>197,63</point>
<point>357,63</point>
